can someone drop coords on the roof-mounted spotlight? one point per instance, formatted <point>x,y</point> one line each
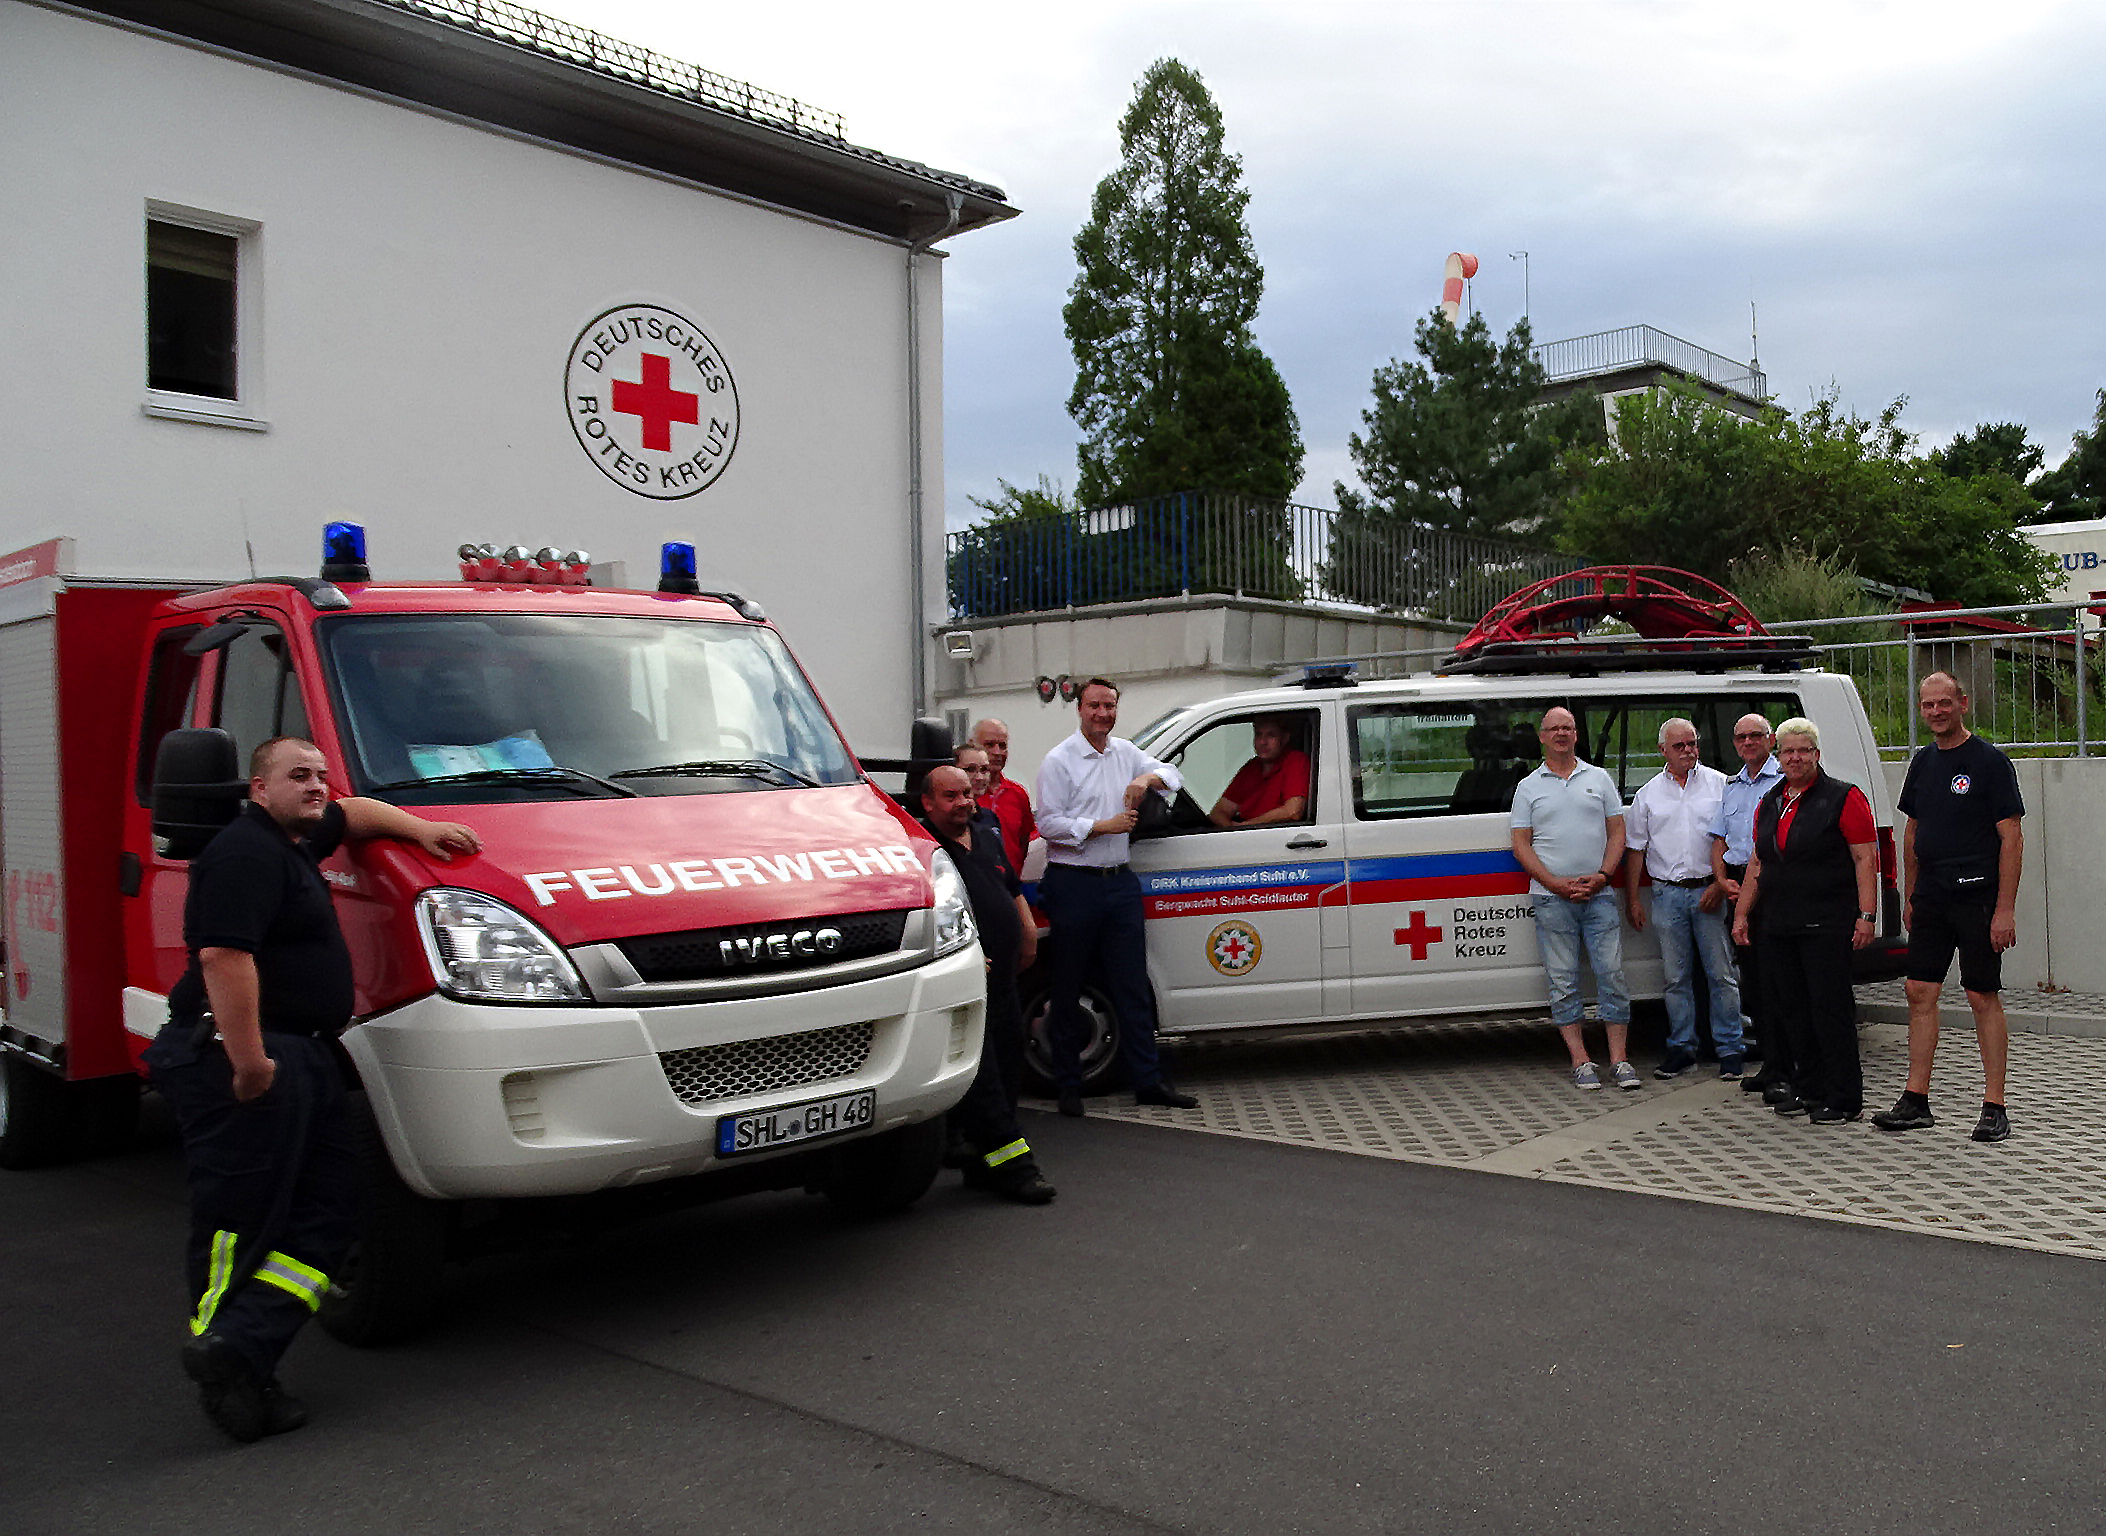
<point>344,553</point>
<point>960,644</point>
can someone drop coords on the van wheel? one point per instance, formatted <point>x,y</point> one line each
<point>388,1287</point>
<point>886,1173</point>
<point>39,1115</point>
<point>1100,1044</point>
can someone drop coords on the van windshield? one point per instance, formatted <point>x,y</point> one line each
<point>443,708</point>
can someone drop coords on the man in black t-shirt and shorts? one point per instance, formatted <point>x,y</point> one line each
<point>1960,864</point>
<point>248,1062</point>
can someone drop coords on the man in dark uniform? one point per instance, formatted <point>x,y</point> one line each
<point>249,1063</point>
<point>1960,861</point>
<point>986,1116</point>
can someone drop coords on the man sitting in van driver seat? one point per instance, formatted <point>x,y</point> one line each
<point>1273,786</point>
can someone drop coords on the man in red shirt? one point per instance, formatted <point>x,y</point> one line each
<point>1009,800</point>
<point>1272,786</point>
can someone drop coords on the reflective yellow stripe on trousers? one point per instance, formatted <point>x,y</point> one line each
<point>303,1282</point>
<point>1001,1155</point>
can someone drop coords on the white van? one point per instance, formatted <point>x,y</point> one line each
<point>1397,896</point>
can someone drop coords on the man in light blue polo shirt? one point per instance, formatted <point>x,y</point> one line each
<point>1732,847</point>
<point>1568,835</point>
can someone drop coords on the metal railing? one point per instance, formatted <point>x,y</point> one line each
<point>2033,681</point>
<point>1215,542</point>
<point>1637,346</point>
<point>611,56</point>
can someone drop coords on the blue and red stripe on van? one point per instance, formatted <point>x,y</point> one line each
<point>1277,887</point>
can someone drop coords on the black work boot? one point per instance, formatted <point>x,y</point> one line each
<point>234,1398</point>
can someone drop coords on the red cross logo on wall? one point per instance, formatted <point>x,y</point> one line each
<point>656,403</point>
<point>1418,935</point>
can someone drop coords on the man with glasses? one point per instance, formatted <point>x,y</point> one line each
<point>1732,850</point>
<point>1667,836</point>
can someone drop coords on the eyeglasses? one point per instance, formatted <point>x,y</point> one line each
<point>1749,735</point>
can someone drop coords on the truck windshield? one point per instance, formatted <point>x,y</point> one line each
<point>440,708</point>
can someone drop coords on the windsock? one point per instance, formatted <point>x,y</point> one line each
<point>1460,265</point>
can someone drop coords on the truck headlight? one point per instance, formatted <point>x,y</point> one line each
<point>954,912</point>
<point>483,951</point>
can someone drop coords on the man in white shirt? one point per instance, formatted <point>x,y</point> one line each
<point>1667,836</point>
<point>1090,790</point>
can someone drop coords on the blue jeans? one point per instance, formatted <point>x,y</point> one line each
<point>1561,926</point>
<point>1688,933</point>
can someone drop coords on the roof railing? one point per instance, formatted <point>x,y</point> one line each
<point>1640,346</point>
<point>558,39</point>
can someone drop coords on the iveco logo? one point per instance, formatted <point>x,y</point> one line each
<point>806,943</point>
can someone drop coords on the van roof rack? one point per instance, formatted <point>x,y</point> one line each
<point>1683,622</point>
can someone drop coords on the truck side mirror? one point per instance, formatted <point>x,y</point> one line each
<point>928,746</point>
<point>197,790</point>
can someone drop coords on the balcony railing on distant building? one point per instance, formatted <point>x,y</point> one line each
<point>1640,346</point>
<point>1211,542</point>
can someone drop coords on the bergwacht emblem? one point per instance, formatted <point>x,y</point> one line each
<point>1234,947</point>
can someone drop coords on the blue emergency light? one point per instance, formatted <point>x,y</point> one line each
<point>344,553</point>
<point>676,568</point>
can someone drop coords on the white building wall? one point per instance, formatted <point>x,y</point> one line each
<point>421,283</point>
<point>2080,554</point>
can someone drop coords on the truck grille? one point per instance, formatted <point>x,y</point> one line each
<point>698,954</point>
<point>712,1072</point>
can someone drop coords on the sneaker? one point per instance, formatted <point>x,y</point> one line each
<point>1584,1076</point>
<point>1994,1125</point>
<point>1674,1064</point>
<point>1777,1093</point>
<point>1911,1112</point>
<point>1790,1104</point>
<point>1755,1084</point>
<point>1625,1076</point>
<point>1729,1068</point>
<point>1821,1114</point>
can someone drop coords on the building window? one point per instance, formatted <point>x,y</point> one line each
<point>200,317</point>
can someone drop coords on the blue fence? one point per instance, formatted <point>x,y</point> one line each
<point>1210,542</point>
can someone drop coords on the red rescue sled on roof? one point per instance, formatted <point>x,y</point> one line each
<point>1681,620</point>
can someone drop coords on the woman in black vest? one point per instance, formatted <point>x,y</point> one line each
<point>1809,900</point>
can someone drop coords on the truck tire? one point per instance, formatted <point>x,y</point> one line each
<point>389,1285</point>
<point>39,1115</point>
<point>886,1173</point>
<point>1100,1047</point>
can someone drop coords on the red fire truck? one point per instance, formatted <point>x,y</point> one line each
<point>699,944</point>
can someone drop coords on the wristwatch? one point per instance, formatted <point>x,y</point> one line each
<point>1868,917</point>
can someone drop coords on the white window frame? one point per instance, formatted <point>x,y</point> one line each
<point>245,410</point>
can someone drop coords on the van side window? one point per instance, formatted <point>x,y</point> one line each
<point>259,697</point>
<point>1622,735</point>
<point>171,694</point>
<point>1441,758</point>
<point>1211,760</point>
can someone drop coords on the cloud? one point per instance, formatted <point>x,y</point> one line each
<point>1910,195</point>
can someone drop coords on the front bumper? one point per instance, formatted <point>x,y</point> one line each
<point>479,1099</point>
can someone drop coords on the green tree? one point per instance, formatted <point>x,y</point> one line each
<point>1463,441</point>
<point>2075,489</point>
<point>1999,448</point>
<point>1689,483</point>
<point>1171,389</point>
<point>1012,503</point>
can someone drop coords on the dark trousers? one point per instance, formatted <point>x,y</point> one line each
<point>1097,929</point>
<point>986,1116</point>
<point>1807,977</point>
<point>273,1185</point>
<point>1777,1063</point>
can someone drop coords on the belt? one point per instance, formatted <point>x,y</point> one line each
<point>1099,870</point>
<point>1736,871</point>
<point>1686,885</point>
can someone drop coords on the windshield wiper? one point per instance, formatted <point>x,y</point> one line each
<point>745,768</point>
<point>570,778</point>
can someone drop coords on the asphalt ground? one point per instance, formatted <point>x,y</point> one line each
<point>1204,1333</point>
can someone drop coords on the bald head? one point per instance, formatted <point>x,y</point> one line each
<point>1943,705</point>
<point>1753,741</point>
<point>947,801</point>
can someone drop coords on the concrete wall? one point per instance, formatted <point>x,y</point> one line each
<point>1163,654</point>
<point>2062,895</point>
<point>421,283</point>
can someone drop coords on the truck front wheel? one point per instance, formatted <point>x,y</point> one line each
<point>39,1115</point>
<point>389,1286</point>
<point>886,1173</point>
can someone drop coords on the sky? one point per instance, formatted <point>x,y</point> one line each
<point>1911,197</point>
